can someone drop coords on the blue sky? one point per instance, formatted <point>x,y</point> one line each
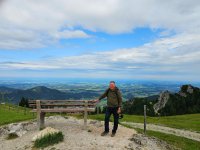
<point>99,41</point>
<point>139,39</point>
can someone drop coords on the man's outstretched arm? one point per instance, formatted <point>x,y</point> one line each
<point>102,96</point>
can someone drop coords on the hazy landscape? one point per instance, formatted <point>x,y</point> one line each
<point>82,88</point>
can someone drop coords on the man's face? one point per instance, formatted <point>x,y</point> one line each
<point>112,86</point>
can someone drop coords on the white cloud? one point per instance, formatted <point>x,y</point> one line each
<point>164,55</point>
<point>44,20</point>
<point>67,34</point>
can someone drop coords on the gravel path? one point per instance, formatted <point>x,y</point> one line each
<point>178,132</point>
<point>76,138</point>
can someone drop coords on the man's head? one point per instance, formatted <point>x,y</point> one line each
<point>112,85</point>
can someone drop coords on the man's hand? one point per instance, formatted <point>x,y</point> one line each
<point>119,110</point>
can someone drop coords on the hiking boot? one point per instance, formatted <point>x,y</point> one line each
<point>104,133</point>
<point>113,134</point>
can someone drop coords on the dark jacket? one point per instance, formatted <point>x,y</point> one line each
<point>114,97</point>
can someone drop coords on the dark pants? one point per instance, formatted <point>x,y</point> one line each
<point>109,111</point>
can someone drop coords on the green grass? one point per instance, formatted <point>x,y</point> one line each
<point>178,142</point>
<point>188,122</point>
<point>15,114</point>
<point>49,139</point>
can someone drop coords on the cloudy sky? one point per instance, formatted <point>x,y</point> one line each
<point>132,39</point>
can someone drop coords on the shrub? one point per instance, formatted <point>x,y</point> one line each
<point>49,139</point>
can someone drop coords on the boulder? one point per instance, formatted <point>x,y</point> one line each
<point>16,129</point>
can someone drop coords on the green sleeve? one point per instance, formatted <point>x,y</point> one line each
<point>103,95</point>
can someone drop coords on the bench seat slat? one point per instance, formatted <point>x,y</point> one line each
<point>62,104</point>
<point>65,110</point>
<point>34,101</point>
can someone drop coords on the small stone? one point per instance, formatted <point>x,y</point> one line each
<point>93,122</point>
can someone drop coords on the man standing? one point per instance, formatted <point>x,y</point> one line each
<point>114,103</point>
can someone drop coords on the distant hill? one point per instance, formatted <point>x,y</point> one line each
<point>186,101</point>
<point>42,92</point>
<point>6,89</point>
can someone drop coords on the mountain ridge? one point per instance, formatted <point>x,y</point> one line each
<point>43,92</point>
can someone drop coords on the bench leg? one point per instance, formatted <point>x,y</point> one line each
<point>85,114</point>
<point>40,120</point>
<point>85,119</point>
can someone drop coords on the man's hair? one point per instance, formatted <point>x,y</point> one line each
<point>112,82</point>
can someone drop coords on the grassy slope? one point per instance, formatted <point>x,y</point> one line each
<point>15,114</point>
<point>179,142</point>
<point>189,122</point>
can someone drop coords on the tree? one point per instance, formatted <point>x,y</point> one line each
<point>136,106</point>
<point>24,102</point>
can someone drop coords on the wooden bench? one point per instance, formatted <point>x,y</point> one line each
<point>41,107</point>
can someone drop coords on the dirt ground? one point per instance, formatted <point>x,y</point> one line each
<point>76,138</point>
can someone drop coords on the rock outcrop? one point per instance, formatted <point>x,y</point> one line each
<point>185,89</point>
<point>190,89</point>
<point>187,100</point>
<point>162,100</point>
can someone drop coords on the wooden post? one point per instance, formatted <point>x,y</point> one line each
<point>85,114</point>
<point>144,119</point>
<point>42,117</point>
<point>24,110</point>
<point>38,107</point>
